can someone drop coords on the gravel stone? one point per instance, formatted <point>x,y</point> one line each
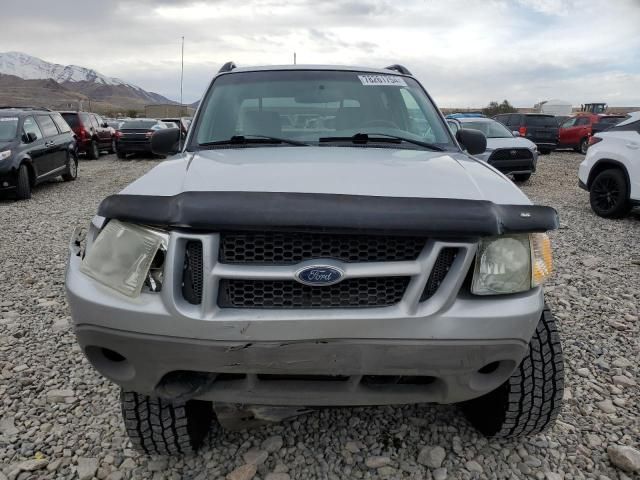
<point>277,476</point>
<point>273,444</point>
<point>431,457</point>
<point>255,456</point>
<point>84,421</point>
<point>626,458</point>
<point>244,472</point>
<point>377,462</point>
<point>474,466</point>
<point>87,468</point>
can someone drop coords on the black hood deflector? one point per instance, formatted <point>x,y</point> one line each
<point>328,212</point>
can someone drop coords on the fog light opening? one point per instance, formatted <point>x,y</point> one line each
<point>113,356</point>
<point>489,368</point>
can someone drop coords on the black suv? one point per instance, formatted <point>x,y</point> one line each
<point>539,128</point>
<point>35,145</point>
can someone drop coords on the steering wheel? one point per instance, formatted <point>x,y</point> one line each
<point>380,123</point>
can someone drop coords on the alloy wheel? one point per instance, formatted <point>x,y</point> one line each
<point>606,193</point>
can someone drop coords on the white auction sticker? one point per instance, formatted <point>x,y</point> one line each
<point>8,119</point>
<point>388,80</point>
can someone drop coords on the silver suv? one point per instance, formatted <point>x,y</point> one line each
<point>320,239</point>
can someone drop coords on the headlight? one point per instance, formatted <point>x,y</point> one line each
<point>5,154</point>
<point>511,263</point>
<point>121,255</point>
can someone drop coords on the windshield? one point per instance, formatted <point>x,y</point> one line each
<point>490,128</point>
<point>307,106</point>
<point>8,128</point>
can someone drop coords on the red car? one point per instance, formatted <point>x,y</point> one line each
<point>92,133</point>
<point>576,131</point>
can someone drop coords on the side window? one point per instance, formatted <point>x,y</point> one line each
<point>30,126</point>
<point>47,126</point>
<point>94,122</point>
<point>569,123</point>
<point>502,119</point>
<point>63,126</point>
<point>582,121</point>
<point>514,120</point>
<point>453,126</point>
<point>99,120</point>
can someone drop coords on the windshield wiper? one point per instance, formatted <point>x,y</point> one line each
<point>364,138</point>
<point>253,139</point>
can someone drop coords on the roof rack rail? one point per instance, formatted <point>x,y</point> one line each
<point>227,67</point>
<point>18,107</point>
<point>399,68</point>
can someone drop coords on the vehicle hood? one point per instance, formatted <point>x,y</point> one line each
<point>4,145</point>
<point>513,142</point>
<point>386,172</point>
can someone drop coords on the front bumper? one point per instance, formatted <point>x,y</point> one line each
<point>399,354</point>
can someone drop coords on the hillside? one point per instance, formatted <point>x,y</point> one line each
<point>28,80</point>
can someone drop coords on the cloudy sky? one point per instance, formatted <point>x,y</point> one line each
<point>466,52</point>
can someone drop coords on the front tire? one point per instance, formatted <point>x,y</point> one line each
<point>530,400</point>
<point>609,194</point>
<point>521,177</point>
<point>159,427</point>
<point>23,185</point>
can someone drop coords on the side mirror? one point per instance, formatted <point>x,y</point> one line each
<point>515,133</point>
<point>29,137</point>
<point>473,141</point>
<point>165,141</point>
<point>105,125</point>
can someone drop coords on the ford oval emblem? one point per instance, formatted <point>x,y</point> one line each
<point>319,275</point>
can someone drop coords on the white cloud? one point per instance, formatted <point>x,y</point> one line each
<point>465,52</point>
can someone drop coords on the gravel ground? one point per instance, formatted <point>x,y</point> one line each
<point>60,419</point>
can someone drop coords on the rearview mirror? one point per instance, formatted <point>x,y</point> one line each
<point>515,133</point>
<point>473,141</point>
<point>165,141</point>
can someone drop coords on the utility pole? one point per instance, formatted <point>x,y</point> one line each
<point>294,58</point>
<point>181,74</point>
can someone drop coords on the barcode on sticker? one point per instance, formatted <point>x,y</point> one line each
<point>389,80</point>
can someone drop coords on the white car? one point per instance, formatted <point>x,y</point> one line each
<point>512,155</point>
<point>611,170</point>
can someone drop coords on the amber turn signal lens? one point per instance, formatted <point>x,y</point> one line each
<point>541,258</point>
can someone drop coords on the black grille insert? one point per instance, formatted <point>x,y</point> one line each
<point>511,154</point>
<point>286,248</point>
<point>192,273</point>
<point>443,263</point>
<point>350,293</point>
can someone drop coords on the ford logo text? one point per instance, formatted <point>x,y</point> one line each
<point>319,275</point>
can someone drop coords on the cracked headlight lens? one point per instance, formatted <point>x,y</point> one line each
<point>512,263</point>
<point>503,265</point>
<point>121,255</point>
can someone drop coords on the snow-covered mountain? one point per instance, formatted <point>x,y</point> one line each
<point>33,68</point>
<point>76,78</point>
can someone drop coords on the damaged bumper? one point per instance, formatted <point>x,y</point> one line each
<point>452,348</point>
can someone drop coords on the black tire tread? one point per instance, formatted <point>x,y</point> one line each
<point>531,399</point>
<point>23,185</point>
<point>159,427</point>
<point>67,177</point>
<point>521,177</point>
